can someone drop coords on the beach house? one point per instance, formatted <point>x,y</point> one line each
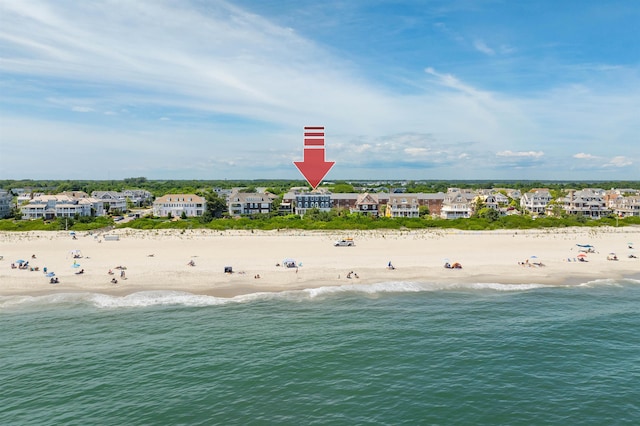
<point>366,204</point>
<point>176,204</point>
<point>247,203</point>
<point>312,200</point>
<point>138,197</point>
<point>402,205</point>
<point>587,202</point>
<point>5,203</point>
<point>53,206</point>
<point>626,206</point>
<point>535,201</point>
<point>114,202</point>
<point>456,205</point>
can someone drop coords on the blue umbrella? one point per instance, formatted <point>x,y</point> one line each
<point>51,274</point>
<point>20,261</point>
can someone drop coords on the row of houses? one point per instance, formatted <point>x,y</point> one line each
<point>72,203</point>
<point>455,203</point>
<point>461,203</point>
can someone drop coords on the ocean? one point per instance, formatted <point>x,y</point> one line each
<point>389,354</point>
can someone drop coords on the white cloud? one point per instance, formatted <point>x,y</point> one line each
<point>619,161</point>
<point>530,154</point>
<point>81,109</point>
<point>416,151</point>
<point>584,156</point>
<point>481,46</point>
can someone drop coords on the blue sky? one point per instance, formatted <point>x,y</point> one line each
<point>405,89</point>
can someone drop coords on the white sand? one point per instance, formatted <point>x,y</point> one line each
<point>157,259</point>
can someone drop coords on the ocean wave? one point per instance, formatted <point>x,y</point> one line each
<point>610,282</point>
<point>168,298</point>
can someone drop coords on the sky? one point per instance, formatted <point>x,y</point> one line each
<point>406,89</point>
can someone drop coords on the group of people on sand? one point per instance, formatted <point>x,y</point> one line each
<point>526,263</point>
<point>24,265</point>
<point>122,274</point>
<point>352,274</point>
<point>456,265</point>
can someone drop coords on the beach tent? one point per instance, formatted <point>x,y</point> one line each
<point>228,270</point>
<point>289,263</point>
<point>75,253</point>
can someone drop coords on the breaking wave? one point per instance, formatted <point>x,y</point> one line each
<point>168,298</point>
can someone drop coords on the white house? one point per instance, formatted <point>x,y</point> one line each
<point>112,200</point>
<point>455,205</point>
<point>52,206</point>
<point>535,201</point>
<point>175,204</point>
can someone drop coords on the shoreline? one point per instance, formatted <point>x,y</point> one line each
<point>157,260</point>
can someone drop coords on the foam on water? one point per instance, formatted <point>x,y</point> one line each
<point>166,298</point>
<point>610,282</point>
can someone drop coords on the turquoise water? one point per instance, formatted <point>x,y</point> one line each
<point>391,354</point>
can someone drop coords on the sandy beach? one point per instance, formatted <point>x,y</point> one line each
<point>159,259</point>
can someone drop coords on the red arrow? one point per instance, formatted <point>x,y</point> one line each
<point>314,168</point>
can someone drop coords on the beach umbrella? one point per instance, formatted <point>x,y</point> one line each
<point>582,255</point>
<point>20,261</point>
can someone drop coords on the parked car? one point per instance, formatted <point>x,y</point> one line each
<point>347,242</point>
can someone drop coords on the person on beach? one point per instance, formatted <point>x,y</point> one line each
<point>114,280</point>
